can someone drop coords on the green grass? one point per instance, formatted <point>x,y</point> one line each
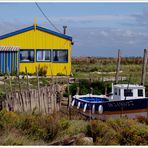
<point>37,129</point>
<point>84,71</point>
<point>33,83</point>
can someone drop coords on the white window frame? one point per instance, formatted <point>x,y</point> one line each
<point>44,51</point>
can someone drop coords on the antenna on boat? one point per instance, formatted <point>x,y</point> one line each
<point>143,74</point>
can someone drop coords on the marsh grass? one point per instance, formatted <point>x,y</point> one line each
<point>37,129</point>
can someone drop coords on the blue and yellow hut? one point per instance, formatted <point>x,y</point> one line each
<point>38,47</point>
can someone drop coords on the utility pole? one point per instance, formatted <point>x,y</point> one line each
<point>144,67</point>
<point>118,66</point>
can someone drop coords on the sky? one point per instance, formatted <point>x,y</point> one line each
<point>98,29</point>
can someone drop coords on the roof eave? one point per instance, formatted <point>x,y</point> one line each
<point>39,28</point>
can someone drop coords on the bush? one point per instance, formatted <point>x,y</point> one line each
<point>42,71</point>
<point>1,74</point>
<point>7,119</point>
<point>102,134</point>
<point>130,132</point>
<point>84,85</point>
<point>60,74</point>
<point>141,119</point>
<point>38,127</point>
<point>46,128</point>
<point>72,127</point>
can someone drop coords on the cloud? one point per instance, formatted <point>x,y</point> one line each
<point>98,41</point>
<point>141,19</point>
<point>106,41</point>
<point>7,27</point>
<point>90,18</point>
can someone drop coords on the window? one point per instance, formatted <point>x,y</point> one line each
<point>60,55</point>
<point>128,92</point>
<point>26,55</point>
<point>115,91</point>
<point>43,55</point>
<point>140,92</point>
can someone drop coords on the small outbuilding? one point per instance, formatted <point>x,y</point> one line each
<point>40,47</point>
<point>9,59</point>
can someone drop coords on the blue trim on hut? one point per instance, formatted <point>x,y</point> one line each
<point>39,28</point>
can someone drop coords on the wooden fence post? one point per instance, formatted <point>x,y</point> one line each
<point>26,71</point>
<point>28,88</point>
<point>118,66</point>
<point>10,104</point>
<point>51,99</point>
<point>68,91</point>
<point>20,93</point>
<point>5,90</point>
<point>78,91</point>
<point>144,67</point>
<point>38,85</point>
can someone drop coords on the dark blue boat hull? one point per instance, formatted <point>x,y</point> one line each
<point>130,108</point>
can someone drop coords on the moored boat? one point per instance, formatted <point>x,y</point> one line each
<point>125,100</point>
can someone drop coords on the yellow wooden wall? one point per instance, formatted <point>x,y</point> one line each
<point>36,39</point>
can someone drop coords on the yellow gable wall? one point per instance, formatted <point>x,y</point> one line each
<point>36,39</point>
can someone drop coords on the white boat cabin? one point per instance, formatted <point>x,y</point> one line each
<point>127,92</point>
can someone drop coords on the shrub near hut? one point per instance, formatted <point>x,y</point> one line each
<point>84,85</point>
<point>42,71</point>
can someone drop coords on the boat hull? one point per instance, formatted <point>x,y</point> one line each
<point>112,109</point>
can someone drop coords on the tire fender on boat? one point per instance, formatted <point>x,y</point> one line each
<point>93,108</point>
<point>73,102</point>
<point>85,106</point>
<point>78,105</point>
<point>100,109</point>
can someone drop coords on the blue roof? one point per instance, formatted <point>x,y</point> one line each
<point>39,28</point>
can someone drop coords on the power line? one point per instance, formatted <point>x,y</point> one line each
<point>47,17</point>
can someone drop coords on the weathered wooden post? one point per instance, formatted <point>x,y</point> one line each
<point>105,90</point>
<point>26,71</point>
<point>51,73</point>
<point>144,67</point>
<point>51,99</point>
<point>38,85</point>
<point>91,90</point>
<point>10,81</point>
<point>118,66</point>
<point>44,99</point>
<point>28,87</point>
<point>68,102</point>
<point>69,96</point>
<point>78,91</point>
<point>5,91</point>
<point>20,94</point>
<point>143,74</point>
